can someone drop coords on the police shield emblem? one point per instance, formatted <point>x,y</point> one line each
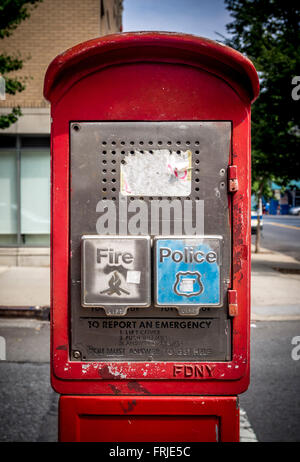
<point>188,283</point>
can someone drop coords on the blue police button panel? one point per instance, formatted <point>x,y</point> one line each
<point>188,271</point>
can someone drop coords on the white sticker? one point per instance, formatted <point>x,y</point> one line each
<point>133,277</point>
<point>187,285</point>
<point>159,173</point>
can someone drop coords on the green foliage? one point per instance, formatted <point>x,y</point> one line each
<point>12,12</point>
<point>268,33</point>
<point>8,119</point>
<point>262,188</point>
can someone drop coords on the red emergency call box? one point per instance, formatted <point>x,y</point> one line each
<point>151,231</point>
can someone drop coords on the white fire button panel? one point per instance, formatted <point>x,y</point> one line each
<point>116,272</point>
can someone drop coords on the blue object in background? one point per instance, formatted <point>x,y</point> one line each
<point>273,207</point>
<point>284,209</point>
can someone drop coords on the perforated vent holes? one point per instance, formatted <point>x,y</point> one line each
<point>114,152</point>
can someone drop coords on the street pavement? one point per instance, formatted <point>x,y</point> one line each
<point>22,286</point>
<point>281,233</point>
<point>275,286</point>
<point>270,408</point>
<point>272,401</point>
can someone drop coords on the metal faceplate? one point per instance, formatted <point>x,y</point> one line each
<point>151,179</point>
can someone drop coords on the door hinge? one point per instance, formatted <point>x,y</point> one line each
<point>233,184</point>
<point>232,303</point>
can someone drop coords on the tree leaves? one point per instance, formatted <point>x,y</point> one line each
<point>12,12</point>
<point>268,32</point>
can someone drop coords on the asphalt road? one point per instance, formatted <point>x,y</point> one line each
<point>272,401</point>
<point>281,233</point>
<point>27,402</point>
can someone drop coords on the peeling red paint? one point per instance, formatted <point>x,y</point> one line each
<point>105,373</point>
<point>115,390</point>
<point>138,388</point>
<point>130,406</point>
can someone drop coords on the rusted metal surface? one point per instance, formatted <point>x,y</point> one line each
<point>232,303</point>
<point>233,178</point>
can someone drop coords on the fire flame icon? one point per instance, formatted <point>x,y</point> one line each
<point>114,286</point>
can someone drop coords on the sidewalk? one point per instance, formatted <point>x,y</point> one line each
<point>275,289</point>
<point>25,291</point>
<point>275,286</point>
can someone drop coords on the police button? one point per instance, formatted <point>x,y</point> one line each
<point>188,272</point>
<point>115,273</point>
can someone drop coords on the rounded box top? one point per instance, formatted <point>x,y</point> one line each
<point>170,47</point>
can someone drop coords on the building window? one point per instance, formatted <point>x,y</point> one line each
<point>102,10</point>
<point>24,191</point>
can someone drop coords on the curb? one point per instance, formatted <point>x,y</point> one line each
<point>247,434</point>
<point>274,318</point>
<point>275,313</point>
<point>36,312</point>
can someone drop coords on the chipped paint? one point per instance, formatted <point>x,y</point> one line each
<point>130,406</point>
<point>116,372</point>
<point>138,388</point>
<point>111,372</point>
<point>85,368</point>
<point>115,390</point>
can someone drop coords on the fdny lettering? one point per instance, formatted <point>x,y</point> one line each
<point>113,257</point>
<point>193,371</point>
<point>188,255</point>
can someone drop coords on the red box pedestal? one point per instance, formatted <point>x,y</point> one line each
<point>148,419</point>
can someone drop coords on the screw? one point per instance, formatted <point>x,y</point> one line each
<point>76,354</point>
<point>76,127</point>
<point>222,171</point>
